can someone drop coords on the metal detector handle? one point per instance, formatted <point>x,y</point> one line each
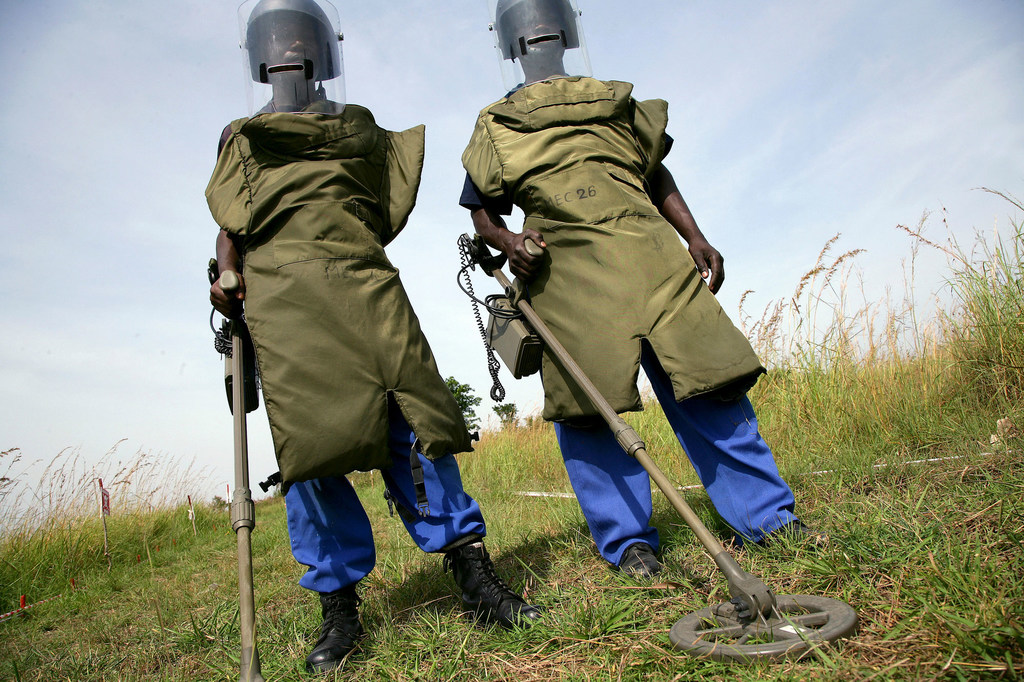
<point>230,281</point>
<point>742,585</point>
<point>243,510</point>
<point>533,248</point>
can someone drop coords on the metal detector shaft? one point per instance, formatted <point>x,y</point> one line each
<point>754,593</point>
<point>243,511</point>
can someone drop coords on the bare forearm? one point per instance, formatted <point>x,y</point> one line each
<point>227,253</point>
<point>492,228</point>
<point>228,304</point>
<point>672,206</point>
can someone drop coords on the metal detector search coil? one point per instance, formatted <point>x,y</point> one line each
<point>516,344</point>
<point>797,626</point>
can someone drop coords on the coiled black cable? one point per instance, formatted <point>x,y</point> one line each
<point>466,284</point>
<point>222,336</point>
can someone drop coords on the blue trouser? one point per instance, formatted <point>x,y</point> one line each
<point>721,439</point>
<point>331,534</point>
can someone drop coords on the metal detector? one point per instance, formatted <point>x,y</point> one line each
<point>755,623</point>
<point>243,510</point>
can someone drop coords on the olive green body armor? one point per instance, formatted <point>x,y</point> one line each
<point>574,154</point>
<point>312,199</point>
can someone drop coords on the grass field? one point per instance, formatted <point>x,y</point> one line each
<point>904,446</point>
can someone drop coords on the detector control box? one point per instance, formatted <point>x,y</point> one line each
<point>514,342</point>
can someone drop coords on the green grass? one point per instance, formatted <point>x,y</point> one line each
<point>929,554</point>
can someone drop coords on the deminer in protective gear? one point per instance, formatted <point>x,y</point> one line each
<point>308,192</point>
<point>617,287</point>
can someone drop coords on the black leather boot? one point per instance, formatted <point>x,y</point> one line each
<point>340,632</point>
<point>639,561</point>
<point>483,592</point>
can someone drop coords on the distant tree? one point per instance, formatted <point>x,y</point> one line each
<point>508,414</point>
<point>466,401</point>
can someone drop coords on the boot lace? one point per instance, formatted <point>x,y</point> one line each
<point>340,611</point>
<point>479,565</point>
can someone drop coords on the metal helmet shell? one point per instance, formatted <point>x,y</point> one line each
<point>293,55</point>
<point>519,23</point>
<point>538,40</point>
<point>280,32</point>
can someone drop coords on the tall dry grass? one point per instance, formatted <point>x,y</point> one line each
<point>874,382</point>
<point>984,329</point>
<point>50,526</point>
<point>67,487</point>
<point>504,451</point>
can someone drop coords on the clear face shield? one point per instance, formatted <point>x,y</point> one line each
<point>292,52</point>
<point>538,40</point>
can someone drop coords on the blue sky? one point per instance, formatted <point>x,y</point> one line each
<point>793,121</point>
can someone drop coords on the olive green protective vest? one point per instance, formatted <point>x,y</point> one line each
<point>314,199</point>
<point>574,155</point>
